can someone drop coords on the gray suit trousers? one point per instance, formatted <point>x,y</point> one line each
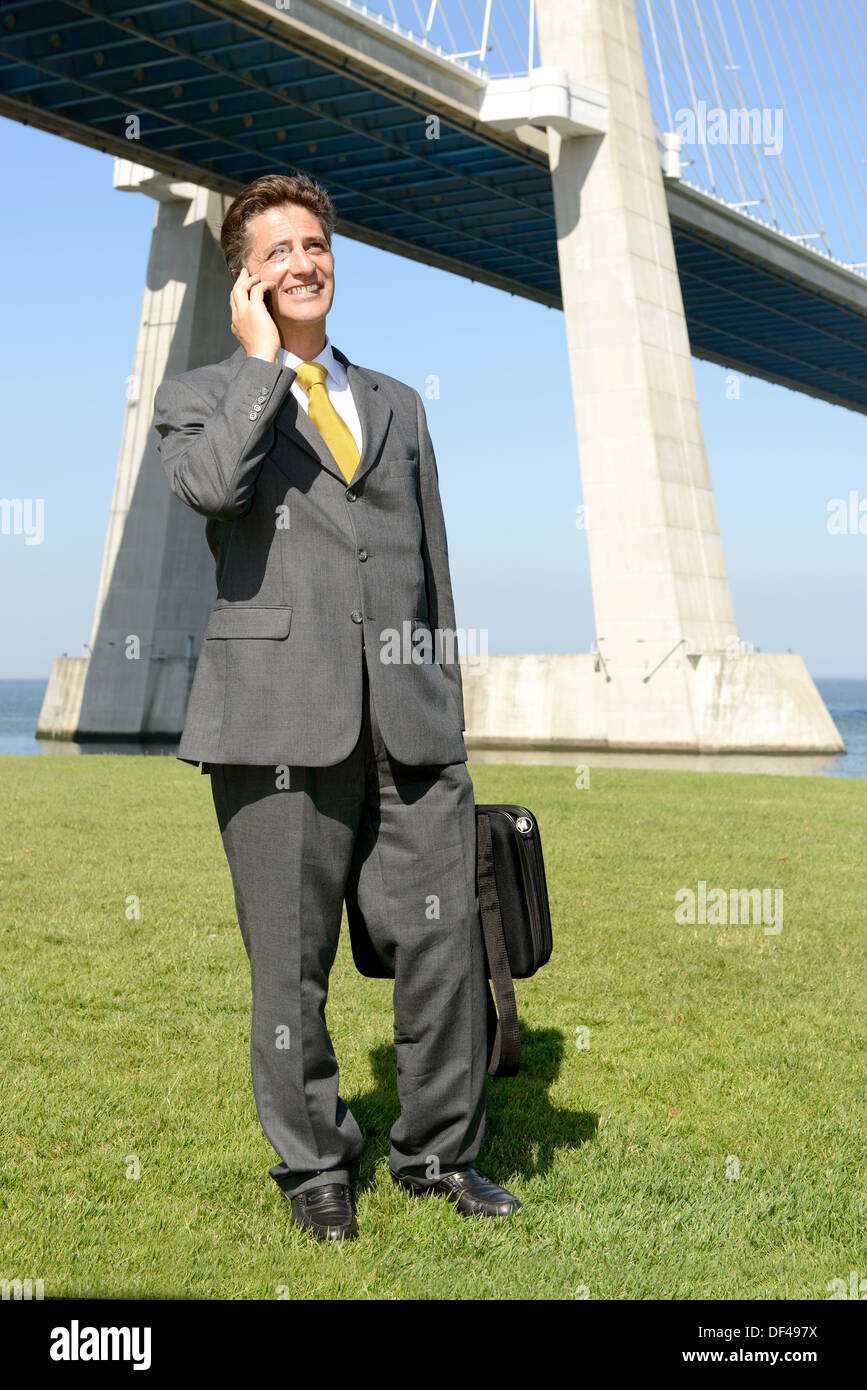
<point>404,838</point>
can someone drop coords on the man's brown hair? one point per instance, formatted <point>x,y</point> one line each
<point>267,192</point>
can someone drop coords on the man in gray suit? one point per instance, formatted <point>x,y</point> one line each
<point>328,716</point>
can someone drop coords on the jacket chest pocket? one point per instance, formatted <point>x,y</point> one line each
<point>249,622</point>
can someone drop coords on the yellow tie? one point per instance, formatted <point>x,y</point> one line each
<point>334,430</point>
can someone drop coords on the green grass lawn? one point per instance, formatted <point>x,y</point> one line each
<point>708,1141</point>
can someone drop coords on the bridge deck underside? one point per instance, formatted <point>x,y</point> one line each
<point>749,315</point>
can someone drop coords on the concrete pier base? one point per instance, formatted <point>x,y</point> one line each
<point>61,704</point>
<point>756,702</point>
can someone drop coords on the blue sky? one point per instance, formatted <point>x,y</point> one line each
<point>74,254</point>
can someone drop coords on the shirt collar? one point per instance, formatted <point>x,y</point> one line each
<point>334,368</point>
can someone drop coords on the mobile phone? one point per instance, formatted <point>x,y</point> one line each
<point>266,297</point>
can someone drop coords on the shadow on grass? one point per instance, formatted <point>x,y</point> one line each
<point>523,1129</point>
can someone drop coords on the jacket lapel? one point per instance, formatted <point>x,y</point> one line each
<point>374,413</point>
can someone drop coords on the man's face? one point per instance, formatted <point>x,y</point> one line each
<point>287,245</point>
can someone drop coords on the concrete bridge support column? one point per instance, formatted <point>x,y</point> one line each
<point>157,582</point>
<point>660,589</point>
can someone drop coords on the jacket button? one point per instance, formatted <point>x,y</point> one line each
<point>356,617</point>
<point>350,495</point>
<point>362,554</point>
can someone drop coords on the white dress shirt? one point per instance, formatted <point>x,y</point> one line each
<point>336,385</point>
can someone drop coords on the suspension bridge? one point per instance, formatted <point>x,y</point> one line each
<point>681,177</point>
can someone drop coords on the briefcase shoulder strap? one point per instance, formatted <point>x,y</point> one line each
<point>504,1039</point>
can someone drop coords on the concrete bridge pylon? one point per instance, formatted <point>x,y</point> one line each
<point>156,585</point>
<point>675,673</point>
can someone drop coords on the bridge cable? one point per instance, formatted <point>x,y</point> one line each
<point>832,144</point>
<point>797,89</point>
<point>841,86</point>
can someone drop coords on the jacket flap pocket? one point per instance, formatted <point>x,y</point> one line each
<point>249,622</point>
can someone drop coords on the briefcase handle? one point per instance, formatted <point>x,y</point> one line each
<point>504,1039</point>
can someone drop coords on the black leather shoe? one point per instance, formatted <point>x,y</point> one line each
<point>326,1210</point>
<point>471,1192</point>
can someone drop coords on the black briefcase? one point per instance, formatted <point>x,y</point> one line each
<point>516,922</point>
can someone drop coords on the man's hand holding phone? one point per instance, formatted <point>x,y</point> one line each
<point>252,323</point>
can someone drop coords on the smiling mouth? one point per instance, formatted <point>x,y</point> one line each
<point>299,291</point>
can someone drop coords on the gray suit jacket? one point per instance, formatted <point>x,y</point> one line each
<point>310,569</point>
